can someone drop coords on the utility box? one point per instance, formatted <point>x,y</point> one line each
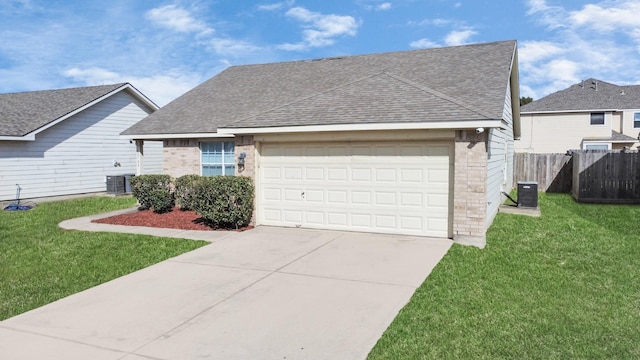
<point>528,194</point>
<point>127,182</point>
<point>116,184</point>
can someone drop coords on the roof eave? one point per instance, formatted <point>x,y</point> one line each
<point>174,136</point>
<point>27,137</point>
<point>454,125</point>
<point>566,111</point>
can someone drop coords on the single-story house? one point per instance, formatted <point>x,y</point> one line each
<point>589,115</point>
<point>67,141</point>
<point>415,142</point>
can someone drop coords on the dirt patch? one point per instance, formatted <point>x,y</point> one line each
<point>174,219</point>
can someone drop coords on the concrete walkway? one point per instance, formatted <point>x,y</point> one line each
<point>266,293</point>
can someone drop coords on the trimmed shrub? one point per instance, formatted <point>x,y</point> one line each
<point>225,201</point>
<point>153,192</point>
<point>185,193</point>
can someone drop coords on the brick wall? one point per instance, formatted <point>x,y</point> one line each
<point>181,157</point>
<point>245,144</point>
<point>470,188</point>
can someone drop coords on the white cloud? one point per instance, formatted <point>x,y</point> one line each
<point>384,6</point>
<point>160,88</point>
<point>424,43</point>
<point>534,51</point>
<point>459,37</point>
<point>592,41</point>
<point>620,16</point>
<point>276,6</point>
<point>321,29</point>
<point>178,19</point>
<point>232,47</point>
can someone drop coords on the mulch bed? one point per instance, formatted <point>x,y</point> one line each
<point>174,219</point>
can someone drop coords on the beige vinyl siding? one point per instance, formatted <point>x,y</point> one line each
<point>499,162</point>
<point>557,133</point>
<point>627,123</point>
<point>76,155</point>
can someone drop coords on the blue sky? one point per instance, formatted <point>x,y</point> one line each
<point>165,48</point>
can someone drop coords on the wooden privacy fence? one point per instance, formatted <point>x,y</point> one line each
<point>553,172</point>
<point>590,176</point>
<point>606,177</point>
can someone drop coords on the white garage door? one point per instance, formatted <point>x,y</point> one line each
<point>397,188</point>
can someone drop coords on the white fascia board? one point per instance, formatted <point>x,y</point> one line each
<point>140,96</point>
<point>176,136</point>
<point>455,125</point>
<point>28,137</point>
<point>566,111</point>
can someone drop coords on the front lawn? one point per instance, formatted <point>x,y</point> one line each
<point>562,286</point>
<point>41,263</point>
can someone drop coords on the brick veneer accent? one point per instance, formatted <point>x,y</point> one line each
<point>245,144</point>
<point>180,157</point>
<point>470,188</point>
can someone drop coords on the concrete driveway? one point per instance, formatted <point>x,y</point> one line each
<point>267,293</point>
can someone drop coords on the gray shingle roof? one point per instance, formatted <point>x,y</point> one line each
<point>615,137</point>
<point>441,84</point>
<point>24,112</point>
<point>591,94</point>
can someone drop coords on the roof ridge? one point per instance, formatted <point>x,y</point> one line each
<point>437,94</point>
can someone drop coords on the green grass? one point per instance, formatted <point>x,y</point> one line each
<point>562,286</point>
<point>40,263</point>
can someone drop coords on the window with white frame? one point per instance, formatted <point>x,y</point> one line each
<point>597,146</point>
<point>217,158</point>
<point>636,120</point>
<point>597,118</point>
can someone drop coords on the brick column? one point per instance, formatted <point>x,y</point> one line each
<point>470,188</point>
<point>180,157</point>
<point>245,144</point>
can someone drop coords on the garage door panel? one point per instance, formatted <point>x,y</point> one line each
<point>337,219</point>
<point>337,197</point>
<point>385,221</point>
<point>314,174</point>
<point>387,175</point>
<point>337,174</point>
<point>412,222</point>
<point>391,188</point>
<point>314,196</point>
<point>385,198</point>
<point>361,220</point>
<point>315,217</point>
<point>408,199</point>
<point>362,198</point>
<point>361,174</point>
<point>271,173</point>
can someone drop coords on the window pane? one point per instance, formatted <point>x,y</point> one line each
<point>228,153</point>
<point>211,170</point>
<point>636,120</point>
<point>597,118</point>
<point>229,170</point>
<point>211,152</point>
<point>596,147</point>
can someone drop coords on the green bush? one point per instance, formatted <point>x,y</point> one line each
<point>185,194</point>
<point>153,192</point>
<point>225,201</point>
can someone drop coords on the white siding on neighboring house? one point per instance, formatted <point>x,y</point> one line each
<point>77,154</point>
<point>500,161</point>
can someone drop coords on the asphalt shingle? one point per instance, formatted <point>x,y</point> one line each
<point>591,94</point>
<point>24,112</point>
<point>443,84</point>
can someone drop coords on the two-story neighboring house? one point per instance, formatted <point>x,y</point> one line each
<point>590,115</point>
